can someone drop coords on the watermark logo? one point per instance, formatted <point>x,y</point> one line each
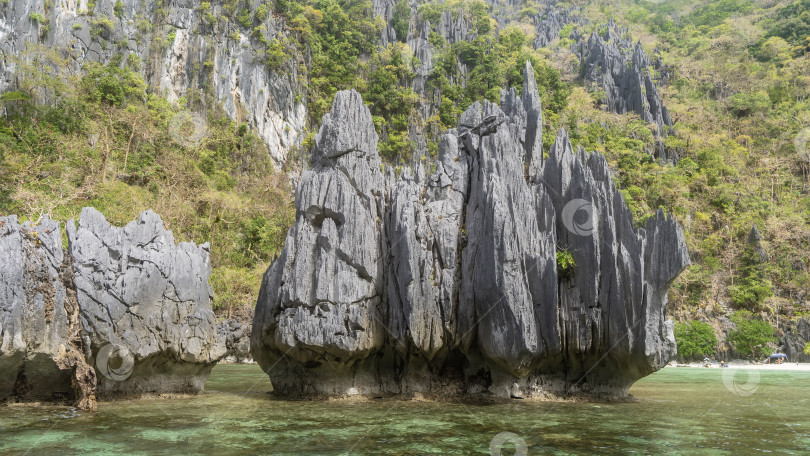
<point>115,362</point>
<point>579,217</point>
<point>742,382</point>
<point>802,143</point>
<point>508,438</point>
<point>188,129</point>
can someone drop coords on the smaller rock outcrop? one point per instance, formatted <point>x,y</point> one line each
<point>455,30</point>
<point>385,10</point>
<point>422,50</point>
<point>552,20</point>
<point>623,70</point>
<point>235,72</point>
<point>40,348</point>
<point>755,242</point>
<point>236,335</point>
<point>144,300</point>
<point>795,340</point>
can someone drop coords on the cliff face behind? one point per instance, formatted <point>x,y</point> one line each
<point>178,48</point>
<point>497,272</point>
<point>621,69</point>
<point>183,49</point>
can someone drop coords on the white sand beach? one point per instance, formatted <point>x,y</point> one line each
<point>741,364</point>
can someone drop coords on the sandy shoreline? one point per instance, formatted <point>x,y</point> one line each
<point>801,367</point>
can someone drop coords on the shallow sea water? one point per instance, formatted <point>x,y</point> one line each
<point>678,411</point>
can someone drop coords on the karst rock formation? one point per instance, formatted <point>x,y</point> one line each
<point>122,312</point>
<point>446,280</point>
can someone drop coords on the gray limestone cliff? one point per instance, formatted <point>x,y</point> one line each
<point>445,281</point>
<point>219,58</point>
<point>624,72</point>
<point>40,348</point>
<point>795,340</point>
<point>551,21</point>
<point>149,298</point>
<point>124,312</point>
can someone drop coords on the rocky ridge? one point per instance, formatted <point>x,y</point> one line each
<point>447,280</point>
<point>625,73</point>
<point>550,22</point>
<point>620,68</point>
<point>140,292</point>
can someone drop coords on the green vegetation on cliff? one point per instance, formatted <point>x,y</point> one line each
<point>340,38</point>
<point>103,140</point>
<point>739,82</point>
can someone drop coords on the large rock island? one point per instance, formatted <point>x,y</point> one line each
<point>500,272</point>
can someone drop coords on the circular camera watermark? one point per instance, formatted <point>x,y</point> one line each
<point>742,382</point>
<point>188,129</point>
<point>579,217</point>
<point>508,438</point>
<point>115,362</point>
<point>802,143</point>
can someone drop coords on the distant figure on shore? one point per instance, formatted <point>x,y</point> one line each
<point>779,358</point>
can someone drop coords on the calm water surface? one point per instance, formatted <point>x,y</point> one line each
<point>680,411</point>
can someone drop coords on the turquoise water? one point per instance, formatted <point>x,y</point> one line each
<point>679,411</point>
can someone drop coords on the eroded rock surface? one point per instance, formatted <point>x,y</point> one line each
<point>624,72</point>
<point>551,21</point>
<point>795,340</point>
<point>446,280</point>
<point>236,335</point>
<point>40,348</point>
<point>140,292</point>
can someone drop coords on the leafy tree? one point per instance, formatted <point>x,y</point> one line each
<point>792,22</point>
<point>112,84</point>
<point>714,13</point>
<point>401,19</point>
<point>752,335</point>
<point>745,104</point>
<point>752,286</point>
<point>389,95</point>
<point>695,339</point>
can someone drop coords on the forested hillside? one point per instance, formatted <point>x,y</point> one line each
<point>733,75</point>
